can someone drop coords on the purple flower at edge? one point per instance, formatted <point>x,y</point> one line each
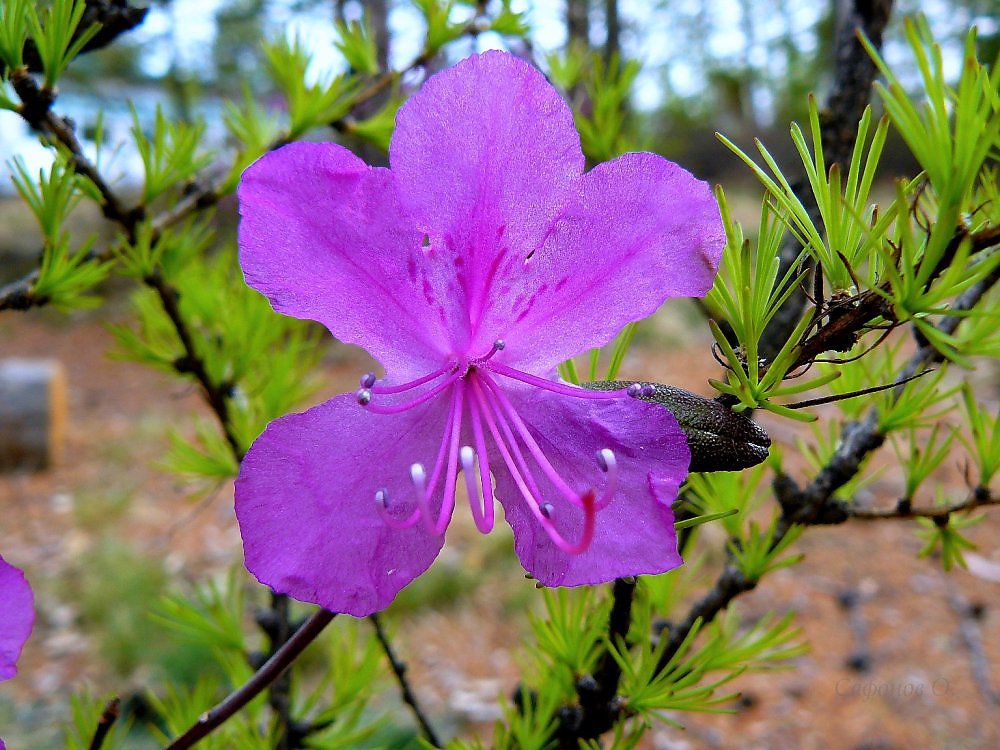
<point>17,616</point>
<point>469,269</point>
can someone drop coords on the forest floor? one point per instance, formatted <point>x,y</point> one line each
<point>895,652</point>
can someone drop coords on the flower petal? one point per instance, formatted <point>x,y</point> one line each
<point>17,616</point>
<point>640,230</point>
<point>305,501</point>
<point>486,155</point>
<point>322,235</point>
<point>635,533</point>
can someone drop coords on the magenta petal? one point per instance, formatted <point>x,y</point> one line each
<point>305,501</point>
<point>485,155</point>
<point>641,230</point>
<point>17,616</point>
<point>635,533</point>
<point>322,235</point>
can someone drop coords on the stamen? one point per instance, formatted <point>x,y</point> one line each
<point>555,387</point>
<point>382,506</point>
<point>607,463</point>
<point>477,494</point>
<point>532,497</point>
<point>498,346</point>
<point>532,445</point>
<point>413,383</point>
<point>418,474</point>
<point>448,500</point>
<point>367,380</point>
<point>484,524</point>
<point>496,411</point>
<point>426,396</point>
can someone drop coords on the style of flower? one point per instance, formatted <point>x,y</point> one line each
<point>479,260</point>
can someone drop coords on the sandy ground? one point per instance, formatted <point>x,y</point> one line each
<point>916,688</point>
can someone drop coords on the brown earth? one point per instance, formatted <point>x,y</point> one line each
<point>916,688</point>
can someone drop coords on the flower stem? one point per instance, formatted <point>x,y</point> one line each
<point>267,674</point>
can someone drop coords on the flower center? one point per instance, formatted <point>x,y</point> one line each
<point>475,391</point>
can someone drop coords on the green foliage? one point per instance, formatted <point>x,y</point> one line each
<point>603,128</point>
<point>943,535</point>
<point>351,671</point>
<point>983,441</point>
<point>357,44</point>
<point>510,22</point>
<point>691,678</point>
<point>377,129</point>
<point>66,275</point>
<point>265,360</point>
<point>820,450</point>
<point>748,294</point>
<point>170,155</point>
<point>441,29</point>
<point>309,104</point>
<point>569,636</point>
<point>254,129</point>
<point>921,459</point>
<point>730,495</point>
<point>13,31</point>
<point>84,711</point>
<point>52,27</point>
<point>758,554</point>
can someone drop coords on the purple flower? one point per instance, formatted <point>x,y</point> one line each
<point>482,258</point>
<point>17,615</point>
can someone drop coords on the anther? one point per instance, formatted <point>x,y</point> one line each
<point>364,396</point>
<point>648,389</point>
<point>419,476</point>
<point>498,346</point>
<point>607,463</point>
<point>382,498</point>
<point>468,457</point>
<point>634,390</point>
<point>367,380</point>
<point>546,509</point>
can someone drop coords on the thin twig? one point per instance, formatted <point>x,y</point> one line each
<point>979,498</point>
<point>112,710</point>
<point>216,394</point>
<point>267,674</point>
<point>973,640</point>
<point>399,670</point>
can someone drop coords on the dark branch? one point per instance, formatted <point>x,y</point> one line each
<point>263,677</point>
<point>112,710</point>
<point>599,705</point>
<point>980,497</point>
<point>115,18</point>
<point>854,73</point>
<point>399,671</point>
<point>216,394</point>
